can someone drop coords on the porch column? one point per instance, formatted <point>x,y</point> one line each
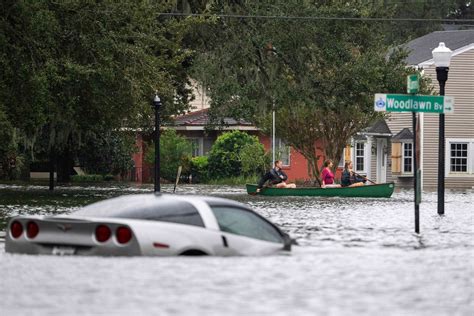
<point>368,156</point>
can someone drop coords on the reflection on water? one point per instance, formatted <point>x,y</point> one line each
<point>356,256</point>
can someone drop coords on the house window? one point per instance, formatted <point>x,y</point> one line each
<point>359,157</point>
<point>282,151</point>
<point>207,145</point>
<point>407,158</point>
<point>460,157</point>
<point>197,146</point>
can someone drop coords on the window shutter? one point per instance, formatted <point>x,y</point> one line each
<point>347,153</point>
<point>396,157</point>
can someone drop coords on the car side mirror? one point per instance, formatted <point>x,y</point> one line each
<point>287,242</point>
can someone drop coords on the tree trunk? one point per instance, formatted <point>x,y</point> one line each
<point>65,164</point>
<point>52,159</point>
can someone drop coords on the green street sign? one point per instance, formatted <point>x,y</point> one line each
<point>413,103</point>
<point>413,84</point>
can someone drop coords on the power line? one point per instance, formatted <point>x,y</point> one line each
<point>311,18</point>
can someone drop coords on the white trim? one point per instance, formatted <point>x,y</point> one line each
<point>421,118</point>
<point>377,134</point>
<point>470,157</point>
<point>413,153</point>
<point>354,155</point>
<point>381,159</point>
<point>368,156</point>
<point>201,128</point>
<point>458,51</point>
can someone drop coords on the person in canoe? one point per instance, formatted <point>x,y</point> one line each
<point>349,178</point>
<point>327,176</point>
<point>276,176</point>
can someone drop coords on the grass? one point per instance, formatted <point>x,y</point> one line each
<point>241,180</point>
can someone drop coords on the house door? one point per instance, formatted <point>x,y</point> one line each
<point>382,160</point>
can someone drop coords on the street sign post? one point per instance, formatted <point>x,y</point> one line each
<point>413,103</point>
<point>413,84</point>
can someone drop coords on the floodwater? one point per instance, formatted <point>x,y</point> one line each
<point>356,257</point>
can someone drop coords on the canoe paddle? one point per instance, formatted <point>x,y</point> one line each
<point>255,193</point>
<point>361,176</point>
<point>177,178</point>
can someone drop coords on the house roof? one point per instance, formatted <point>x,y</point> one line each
<point>420,48</point>
<point>199,120</point>
<point>380,127</point>
<point>404,134</point>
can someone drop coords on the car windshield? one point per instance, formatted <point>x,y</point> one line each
<point>243,222</point>
<point>165,210</point>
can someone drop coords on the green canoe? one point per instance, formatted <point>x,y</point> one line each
<point>373,191</point>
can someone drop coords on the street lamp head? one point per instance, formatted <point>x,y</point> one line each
<point>156,100</point>
<point>442,55</point>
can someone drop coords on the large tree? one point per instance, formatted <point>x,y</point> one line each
<point>70,69</point>
<point>319,75</point>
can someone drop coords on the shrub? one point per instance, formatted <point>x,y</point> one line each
<point>254,159</point>
<point>199,171</point>
<point>108,177</point>
<point>107,153</point>
<point>87,178</point>
<point>225,155</point>
<point>175,151</point>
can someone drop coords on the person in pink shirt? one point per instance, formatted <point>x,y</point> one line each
<point>327,176</point>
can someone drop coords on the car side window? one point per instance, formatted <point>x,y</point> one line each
<point>184,213</point>
<point>179,212</point>
<point>243,222</point>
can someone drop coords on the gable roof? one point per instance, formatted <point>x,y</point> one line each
<point>420,48</point>
<point>198,120</point>
<point>404,134</point>
<point>379,128</point>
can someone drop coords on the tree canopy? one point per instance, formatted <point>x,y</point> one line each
<point>70,69</point>
<point>319,76</point>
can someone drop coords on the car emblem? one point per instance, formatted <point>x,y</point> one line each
<point>64,227</point>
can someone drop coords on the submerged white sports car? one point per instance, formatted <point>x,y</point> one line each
<point>150,225</point>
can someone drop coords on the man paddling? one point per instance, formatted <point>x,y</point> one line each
<point>276,176</point>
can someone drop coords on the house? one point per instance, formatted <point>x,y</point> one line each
<point>459,125</point>
<point>193,126</point>
<point>369,149</point>
<point>383,152</point>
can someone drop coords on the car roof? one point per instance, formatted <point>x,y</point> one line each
<point>132,202</point>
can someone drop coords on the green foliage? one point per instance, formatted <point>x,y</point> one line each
<point>199,169</point>
<point>254,160</point>
<point>319,76</point>
<point>108,177</point>
<point>90,178</point>
<point>6,134</point>
<point>425,11</point>
<point>239,180</point>
<point>107,153</point>
<point>175,151</point>
<point>12,162</point>
<point>225,155</point>
<point>68,68</point>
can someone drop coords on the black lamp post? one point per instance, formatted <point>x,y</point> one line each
<point>442,58</point>
<point>157,105</point>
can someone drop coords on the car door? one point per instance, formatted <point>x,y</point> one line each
<point>247,233</point>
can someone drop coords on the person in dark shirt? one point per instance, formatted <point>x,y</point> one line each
<point>276,176</point>
<point>349,178</point>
